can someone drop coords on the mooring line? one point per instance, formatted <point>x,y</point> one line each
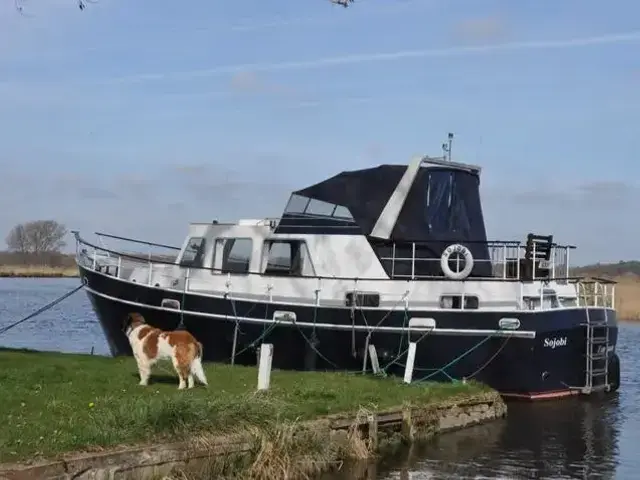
<point>40,310</point>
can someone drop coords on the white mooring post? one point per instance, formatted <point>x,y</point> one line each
<point>373,355</point>
<point>264,367</point>
<point>411,358</point>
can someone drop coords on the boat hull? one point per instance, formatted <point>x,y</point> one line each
<point>550,365</point>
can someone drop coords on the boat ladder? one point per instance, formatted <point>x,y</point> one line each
<point>597,354</point>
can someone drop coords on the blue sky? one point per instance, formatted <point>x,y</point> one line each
<point>136,117</point>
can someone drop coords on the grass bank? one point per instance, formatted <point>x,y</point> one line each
<point>37,271</point>
<point>56,403</point>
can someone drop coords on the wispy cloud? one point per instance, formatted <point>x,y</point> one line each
<point>613,38</point>
<point>481,29</point>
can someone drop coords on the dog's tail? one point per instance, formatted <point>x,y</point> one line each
<point>196,365</point>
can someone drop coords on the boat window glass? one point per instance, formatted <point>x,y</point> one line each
<point>320,208</point>
<point>296,204</point>
<point>446,209</point>
<point>193,255</point>
<point>299,204</point>
<point>342,212</point>
<point>287,257</point>
<point>471,302</point>
<point>236,254</point>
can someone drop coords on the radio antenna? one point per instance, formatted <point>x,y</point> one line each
<point>446,147</point>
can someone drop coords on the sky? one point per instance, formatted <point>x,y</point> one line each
<point>138,117</point>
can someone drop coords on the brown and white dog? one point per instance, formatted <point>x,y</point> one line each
<point>150,344</point>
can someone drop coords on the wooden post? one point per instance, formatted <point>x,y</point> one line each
<point>264,367</point>
<point>373,354</point>
<point>408,432</point>
<point>373,432</point>
<point>411,358</point>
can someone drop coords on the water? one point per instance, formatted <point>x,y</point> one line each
<point>578,438</point>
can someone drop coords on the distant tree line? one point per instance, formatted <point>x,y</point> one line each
<point>37,242</point>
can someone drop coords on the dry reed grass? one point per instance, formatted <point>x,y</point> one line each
<point>37,271</point>
<point>290,451</point>
<point>627,297</point>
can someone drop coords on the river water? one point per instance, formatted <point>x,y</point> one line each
<point>577,438</point>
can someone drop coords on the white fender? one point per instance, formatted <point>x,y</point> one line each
<point>468,260</point>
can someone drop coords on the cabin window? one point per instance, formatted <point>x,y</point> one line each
<point>362,299</point>
<point>194,253</point>
<point>455,302</point>
<point>312,207</point>
<point>232,255</point>
<point>287,257</point>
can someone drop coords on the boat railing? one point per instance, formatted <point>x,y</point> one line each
<point>596,292</point>
<point>147,264</point>
<point>507,260</point>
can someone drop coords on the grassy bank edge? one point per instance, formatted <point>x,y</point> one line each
<point>59,404</point>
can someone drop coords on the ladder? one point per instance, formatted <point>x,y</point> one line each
<point>597,354</point>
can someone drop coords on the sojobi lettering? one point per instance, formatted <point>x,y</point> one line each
<point>555,342</point>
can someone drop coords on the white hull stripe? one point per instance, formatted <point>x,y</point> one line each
<point>330,326</point>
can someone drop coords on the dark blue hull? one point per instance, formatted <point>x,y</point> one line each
<point>548,365</point>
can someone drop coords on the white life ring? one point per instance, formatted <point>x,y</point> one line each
<point>468,261</point>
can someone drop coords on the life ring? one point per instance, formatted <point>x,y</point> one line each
<point>468,261</point>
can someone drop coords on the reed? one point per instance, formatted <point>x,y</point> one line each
<point>37,271</point>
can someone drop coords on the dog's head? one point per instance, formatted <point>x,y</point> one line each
<point>132,321</point>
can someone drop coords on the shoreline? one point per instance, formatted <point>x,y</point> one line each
<point>35,271</point>
<point>365,436</point>
<point>71,413</point>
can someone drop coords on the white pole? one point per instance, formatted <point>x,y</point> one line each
<point>264,367</point>
<point>373,355</point>
<point>411,358</point>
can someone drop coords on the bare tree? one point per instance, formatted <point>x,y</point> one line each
<point>17,240</point>
<point>37,238</point>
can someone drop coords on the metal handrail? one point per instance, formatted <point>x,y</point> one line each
<point>142,242</point>
<point>82,241</point>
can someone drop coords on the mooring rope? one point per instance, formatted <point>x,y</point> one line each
<point>49,305</point>
<point>460,357</point>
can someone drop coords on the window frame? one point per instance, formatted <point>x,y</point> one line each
<point>303,252</point>
<point>219,245</point>
<point>468,298</point>
<point>201,248</point>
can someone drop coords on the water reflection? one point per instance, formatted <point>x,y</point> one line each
<point>577,438</point>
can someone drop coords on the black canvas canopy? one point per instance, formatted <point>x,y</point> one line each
<point>442,207</point>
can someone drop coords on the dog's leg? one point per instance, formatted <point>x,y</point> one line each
<point>190,380</point>
<point>181,370</point>
<point>145,371</point>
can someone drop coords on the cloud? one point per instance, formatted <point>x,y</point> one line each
<point>600,195</point>
<point>481,29</point>
<point>576,42</point>
<point>249,82</point>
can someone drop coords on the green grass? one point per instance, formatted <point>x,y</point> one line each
<point>54,403</point>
